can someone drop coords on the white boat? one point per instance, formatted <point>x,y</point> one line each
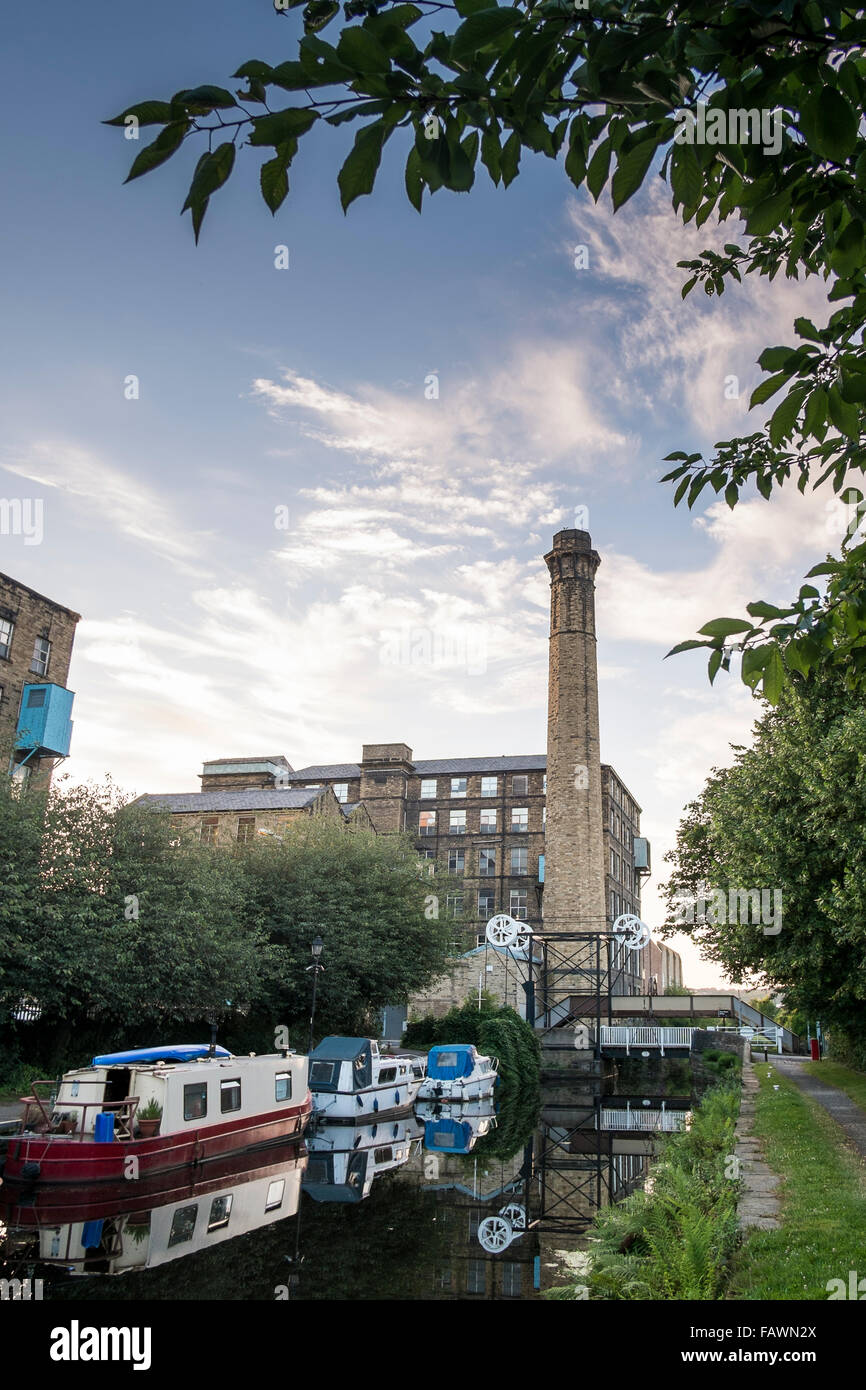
<point>349,1078</point>
<point>455,1126</point>
<point>456,1072</point>
<point>345,1159</point>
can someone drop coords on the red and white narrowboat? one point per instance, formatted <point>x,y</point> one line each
<point>202,1102</point>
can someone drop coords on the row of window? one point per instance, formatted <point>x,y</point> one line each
<point>428,823</point>
<point>621,798</point>
<point>620,830</point>
<point>195,1095</point>
<point>517,860</point>
<point>41,648</point>
<point>455,905</point>
<point>489,786</point>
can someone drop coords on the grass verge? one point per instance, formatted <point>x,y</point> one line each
<point>823,1230</point>
<point>852,1082</point>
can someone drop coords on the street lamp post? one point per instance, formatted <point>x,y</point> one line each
<point>315,952</point>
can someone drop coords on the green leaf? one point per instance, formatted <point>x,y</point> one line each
<point>467,7</point>
<point>767,610</point>
<point>847,254</point>
<point>596,174</point>
<point>816,411</point>
<point>772,359</point>
<point>844,416</point>
<point>358,173</point>
<point>414,179</point>
<point>768,388</point>
<point>685,647</point>
<point>482,28</point>
<point>829,124</point>
<point>630,171</point>
<point>732,495</point>
<point>360,51</point>
<point>274,181</point>
<point>206,98</point>
<point>255,70</point>
<point>490,154</point>
<point>162,148</point>
<point>724,627</point>
<point>145,112</point>
<point>769,215</point>
<point>210,174</point>
<point>686,177</point>
<point>774,676</point>
<point>278,126</point>
<point>784,417</point>
<point>510,158</point>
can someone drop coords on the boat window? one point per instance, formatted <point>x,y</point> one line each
<point>443,1139</point>
<point>387,1074</point>
<point>283,1085</point>
<point>182,1225</point>
<point>446,1059</point>
<point>275,1194</point>
<point>230,1094</point>
<point>383,1155</point>
<point>322,1073</point>
<point>195,1100</point>
<point>220,1211</point>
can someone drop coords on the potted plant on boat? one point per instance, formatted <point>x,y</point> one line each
<point>148,1119</point>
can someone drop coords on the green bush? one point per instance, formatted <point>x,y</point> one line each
<point>676,1240</point>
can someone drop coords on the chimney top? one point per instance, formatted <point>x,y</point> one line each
<point>572,540</point>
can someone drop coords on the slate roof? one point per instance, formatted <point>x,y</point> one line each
<point>522,762</point>
<point>250,799</point>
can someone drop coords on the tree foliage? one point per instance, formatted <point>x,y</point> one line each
<point>124,932</point>
<point>788,814</point>
<point>605,85</point>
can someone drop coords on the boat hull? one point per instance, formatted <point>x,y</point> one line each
<point>373,1104</point>
<point>460,1089</point>
<point>54,1159</point>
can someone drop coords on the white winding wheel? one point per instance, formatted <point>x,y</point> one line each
<point>631,932</point>
<point>503,930</point>
<point>495,1233</point>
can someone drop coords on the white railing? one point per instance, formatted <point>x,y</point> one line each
<point>643,1038</point>
<point>645,1121</point>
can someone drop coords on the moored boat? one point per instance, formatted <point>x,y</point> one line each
<point>130,1115</point>
<point>344,1160</point>
<point>457,1072</point>
<point>350,1078</point>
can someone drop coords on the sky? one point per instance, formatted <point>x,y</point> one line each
<point>322,521</point>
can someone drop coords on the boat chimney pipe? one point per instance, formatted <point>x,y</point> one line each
<point>213,1033</point>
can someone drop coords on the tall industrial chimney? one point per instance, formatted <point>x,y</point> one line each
<point>574,869</point>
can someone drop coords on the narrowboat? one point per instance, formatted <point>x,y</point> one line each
<point>344,1160</point>
<point>456,1072</point>
<point>455,1127</point>
<point>350,1078</point>
<point>100,1230</point>
<point>130,1115</point>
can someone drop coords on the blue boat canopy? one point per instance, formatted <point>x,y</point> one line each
<point>447,1061</point>
<point>181,1052</point>
<point>448,1136</point>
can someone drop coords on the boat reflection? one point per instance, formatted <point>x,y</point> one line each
<point>345,1159</point>
<point>113,1228</point>
<point>455,1128</point>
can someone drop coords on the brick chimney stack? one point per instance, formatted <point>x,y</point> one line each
<point>574,869</point>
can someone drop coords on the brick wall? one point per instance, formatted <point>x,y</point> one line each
<point>32,616</point>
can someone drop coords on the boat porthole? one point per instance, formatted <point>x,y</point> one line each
<point>373,1132</point>
<point>375,1106</point>
<point>396,1130</point>
<point>396,1097</point>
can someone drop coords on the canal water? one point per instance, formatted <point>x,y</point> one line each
<point>488,1201</point>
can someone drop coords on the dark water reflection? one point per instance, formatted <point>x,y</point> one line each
<point>432,1205</point>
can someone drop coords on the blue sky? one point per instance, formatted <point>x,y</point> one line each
<point>403,595</point>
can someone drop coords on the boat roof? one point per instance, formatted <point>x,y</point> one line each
<point>338,1049</point>
<point>179,1052</point>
